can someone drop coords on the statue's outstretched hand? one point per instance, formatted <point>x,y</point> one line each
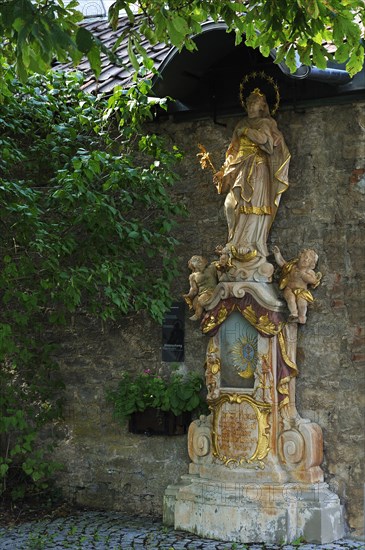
<point>218,181</point>
<point>217,177</point>
<point>278,256</point>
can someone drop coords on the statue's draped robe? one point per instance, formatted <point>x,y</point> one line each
<point>256,175</point>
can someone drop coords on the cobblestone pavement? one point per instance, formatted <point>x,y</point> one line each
<point>112,531</point>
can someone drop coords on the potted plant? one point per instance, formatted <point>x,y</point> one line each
<point>156,404</point>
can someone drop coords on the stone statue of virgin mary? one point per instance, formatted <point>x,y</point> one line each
<point>254,175</point>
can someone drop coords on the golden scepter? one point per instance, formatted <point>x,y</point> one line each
<point>206,162</point>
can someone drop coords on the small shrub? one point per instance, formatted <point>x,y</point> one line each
<point>176,393</point>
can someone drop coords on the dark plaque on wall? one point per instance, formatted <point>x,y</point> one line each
<point>173,333</point>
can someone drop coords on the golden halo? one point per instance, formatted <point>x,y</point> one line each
<point>266,77</point>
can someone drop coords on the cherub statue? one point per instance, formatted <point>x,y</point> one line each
<point>203,281</point>
<point>296,275</point>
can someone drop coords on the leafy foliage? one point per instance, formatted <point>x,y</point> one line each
<point>175,393</point>
<point>35,32</point>
<point>86,226</point>
<point>296,29</point>
<point>26,404</point>
<point>83,212</point>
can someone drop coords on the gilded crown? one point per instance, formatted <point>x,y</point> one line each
<point>257,91</point>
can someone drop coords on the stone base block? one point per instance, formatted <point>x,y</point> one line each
<point>254,512</point>
<point>169,501</point>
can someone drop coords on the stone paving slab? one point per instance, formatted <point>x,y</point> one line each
<point>113,531</point>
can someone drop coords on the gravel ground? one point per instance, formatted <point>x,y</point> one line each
<point>113,531</point>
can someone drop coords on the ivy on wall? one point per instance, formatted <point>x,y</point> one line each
<point>86,219</point>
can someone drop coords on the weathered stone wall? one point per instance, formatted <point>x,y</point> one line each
<point>107,467</point>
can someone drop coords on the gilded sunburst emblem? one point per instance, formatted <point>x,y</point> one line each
<point>244,355</point>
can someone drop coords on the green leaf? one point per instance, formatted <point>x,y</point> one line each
<point>180,25</point>
<point>132,55</point>
<point>129,13</point>
<point>238,38</point>
<point>312,8</point>
<point>265,50</point>
<point>193,402</point>
<point>356,61</point>
<point>147,61</point>
<point>319,58</point>
<point>19,23</point>
<point>305,54</point>
<point>84,40</point>
<point>342,53</point>
<point>161,25</point>
<point>176,37</point>
<point>21,70</point>
<point>3,470</point>
<point>290,59</point>
<point>93,56</point>
<point>25,54</point>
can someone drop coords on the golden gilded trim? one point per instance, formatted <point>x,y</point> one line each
<point>257,91</point>
<point>283,388</point>
<point>212,346</point>
<point>264,378</point>
<point>262,410</point>
<point>212,323</point>
<point>285,356</point>
<point>263,323</point>
<point>285,183</point>
<point>244,364</point>
<point>247,147</point>
<point>214,369</point>
<point>243,257</point>
<point>257,210</point>
<point>250,315</point>
<point>205,160</point>
<point>285,272</point>
<point>284,382</point>
<point>304,294</point>
<point>284,403</point>
<point>247,373</point>
<point>189,301</point>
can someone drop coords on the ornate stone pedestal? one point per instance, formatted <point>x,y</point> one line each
<point>255,474</point>
<point>254,512</point>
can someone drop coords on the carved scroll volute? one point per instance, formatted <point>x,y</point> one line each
<point>200,440</point>
<point>301,451</point>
